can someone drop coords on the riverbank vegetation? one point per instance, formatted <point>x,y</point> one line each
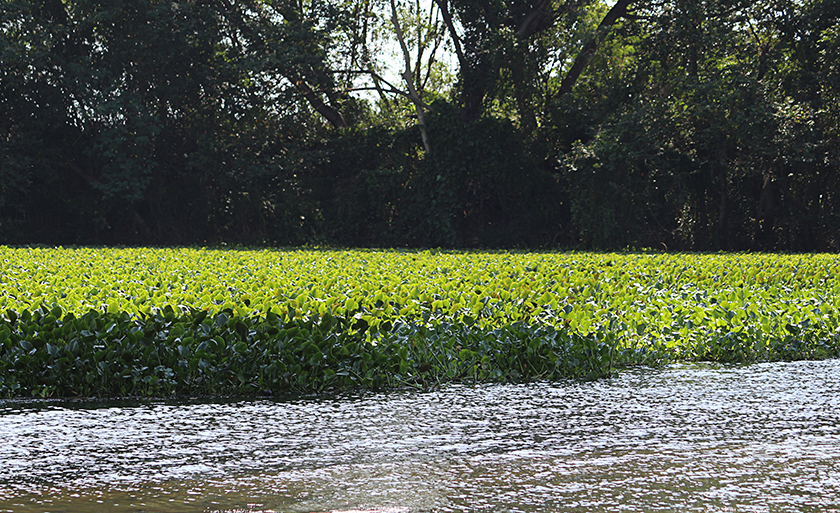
<point>158,322</point>
<point>696,125</point>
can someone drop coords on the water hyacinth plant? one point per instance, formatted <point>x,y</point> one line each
<point>156,322</point>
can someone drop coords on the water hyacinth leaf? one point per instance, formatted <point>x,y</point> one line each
<point>419,305</point>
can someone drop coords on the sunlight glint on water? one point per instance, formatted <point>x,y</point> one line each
<point>696,438</point>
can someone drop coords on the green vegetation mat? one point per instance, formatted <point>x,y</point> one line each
<point>157,322</point>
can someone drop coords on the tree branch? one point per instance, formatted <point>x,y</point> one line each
<point>582,60</point>
<point>378,78</point>
<point>408,78</point>
<point>330,114</point>
<point>456,41</point>
<point>288,11</point>
<point>540,18</point>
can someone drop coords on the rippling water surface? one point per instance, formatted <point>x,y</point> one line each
<point>690,437</point>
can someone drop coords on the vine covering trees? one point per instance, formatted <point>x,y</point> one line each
<point>686,124</point>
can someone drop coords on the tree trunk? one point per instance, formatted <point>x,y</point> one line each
<point>765,218</point>
<point>523,92</point>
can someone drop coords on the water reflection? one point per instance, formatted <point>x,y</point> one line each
<point>691,437</point>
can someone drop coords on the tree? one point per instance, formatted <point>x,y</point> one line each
<point>699,124</point>
<point>153,124</point>
<point>702,144</point>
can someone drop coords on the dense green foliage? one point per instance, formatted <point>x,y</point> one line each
<point>157,322</point>
<point>693,124</point>
<point>166,353</point>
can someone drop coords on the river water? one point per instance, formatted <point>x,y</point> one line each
<point>699,437</point>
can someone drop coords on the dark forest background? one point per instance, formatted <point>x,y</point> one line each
<point>686,124</point>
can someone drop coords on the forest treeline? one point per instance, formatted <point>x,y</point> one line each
<point>680,124</point>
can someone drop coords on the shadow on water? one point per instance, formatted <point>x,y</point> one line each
<point>699,437</point>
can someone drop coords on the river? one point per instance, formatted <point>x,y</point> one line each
<point>693,437</point>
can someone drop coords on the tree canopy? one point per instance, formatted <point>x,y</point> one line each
<point>683,124</point>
